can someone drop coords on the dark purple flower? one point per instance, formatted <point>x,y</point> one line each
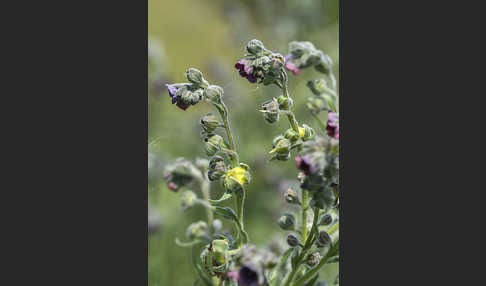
<point>172,91</point>
<point>332,126</point>
<point>247,276</point>
<point>291,66</point>
<point>246,71</point>
<point>304,163</point>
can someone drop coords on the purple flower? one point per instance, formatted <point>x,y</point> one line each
<point>247,276</point>
<point>172,91</point>
<point>332,126</point>
<point>246,71</point>
<point>304,163</point>
<point>291,66</point>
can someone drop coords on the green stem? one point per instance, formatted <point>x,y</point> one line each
<point>305,205</point>
<point>240,203</point>
<point>227,128</point>
<point>293,122</point>
<point>206,196</point>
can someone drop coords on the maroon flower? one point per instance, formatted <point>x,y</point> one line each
<point>247,276</point>
<point>304,163</point>
<point>332,126</point>
<point>291,66</point>
<point>246,71</point>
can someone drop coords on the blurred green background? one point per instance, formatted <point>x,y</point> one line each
<point>210,35</point>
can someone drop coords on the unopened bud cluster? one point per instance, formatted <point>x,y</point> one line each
<point>303,55</point>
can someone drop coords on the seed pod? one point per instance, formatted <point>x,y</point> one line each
<point>217,168</point>
<point>326,220</point>
<point>255,46</point>
<point>209,123</point>
<point>291,197</point>
<point>214,93</point>
<point>270,110</point>
<point>313,259</point>
<point>323,239</point>
<point>287,221</point>
<point>292,240</point>
<point>214,144</point>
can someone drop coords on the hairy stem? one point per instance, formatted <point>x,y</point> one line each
<point>224,116</point>
<point>206,196</point>
<point>290,115</point>
<point>305,205</point>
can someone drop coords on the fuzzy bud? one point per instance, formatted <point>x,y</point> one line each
<point>188,199</point>
<point>323,239</point>
<point>316,104</point>
<point>313,259</point>
<point>220,251</point>
<point>217,168</point>
<point>214,93</point>
<point>196,230</point>
<point>317,86</point>
<point>292,240</point>
<point>324,65</point>
<point>255,46</point>
<point>188,97</point>
<point>292,135</point>
<point>196,77</point>
<point>209,122</point>
<point>284,102</point>
<point>282,147</point>
<point>287,222</point>
<point>307,132</point>
<point>235,178</point>
<point>270,110</point>
<point>326,220</point>
<point>291,197</point>
<point>214,144</point>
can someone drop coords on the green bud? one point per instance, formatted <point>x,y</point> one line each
<point>316,104</point>
<point>214,144</point>
<point>282,157</point>
<point>197,230</point>
<point>282,147</point>
<point>270,110</point>
<point>292,240</point>
<point>291,197</point>
<point>323,239</point>
<point>308,132</point>
<point>326,220</point>
<point>317,86</point>
<point>220,252</point>
<point>287,221</point>
<point>209,122</point>
<point>255,46</point>
<point>313,259</point>
<point>214,93</point>
<point>284,102</point>
<point>217,168</point>
<point>324,65</point>
<point>196,77</point>
<point>292,135</point>
<point>188,199</point>
<point>189,97</point>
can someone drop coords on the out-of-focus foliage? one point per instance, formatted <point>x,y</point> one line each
<point>209,35</point>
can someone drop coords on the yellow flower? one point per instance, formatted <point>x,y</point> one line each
<point>301,132</point>
<point>239,174</point>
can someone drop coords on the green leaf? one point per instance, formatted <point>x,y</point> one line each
<point>224,197</point>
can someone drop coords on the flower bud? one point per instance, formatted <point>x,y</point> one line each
<point>284,102</point>
<point>214,144</point>
<point>217,168</point>
<point>282,147</point>
<point>220,251</point>
<point>188,199</point>
<point>316,104</point>
<point>292,135</point>
<point>188,97</point>
<point>214,93</point>
<point>326,220</point>
<point>313,259</point>
<point>306,132</point>
<point>324,64</point>
<point>202,164</point>
<point>291,197</point>
<point>180,174</point>
<point>196,230</point>
<point>287,222</point>
<point>317,86</point>
<point>196,77</point>
<point>292,240</point>
<point>209,122</point>
<point>271,110</point>
<point>255,46</point>
<point>323,239</point>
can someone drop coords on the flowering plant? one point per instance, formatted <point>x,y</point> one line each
<point>222,258</point>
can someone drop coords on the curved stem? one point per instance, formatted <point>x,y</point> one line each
<point>293,122</point>
<point>227,128</point>
<point>304,215</point>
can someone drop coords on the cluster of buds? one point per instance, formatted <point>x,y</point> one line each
<point>234,179</point>
<point>215,257</point>
<point>260,64</point>
<point>289,140</point>
<point>324,97</point>
<point>303,55</point>
<point>181,173</point>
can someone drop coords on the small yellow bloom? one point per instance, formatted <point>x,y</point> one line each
<point>301,132</point>
<point>239,174</point>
